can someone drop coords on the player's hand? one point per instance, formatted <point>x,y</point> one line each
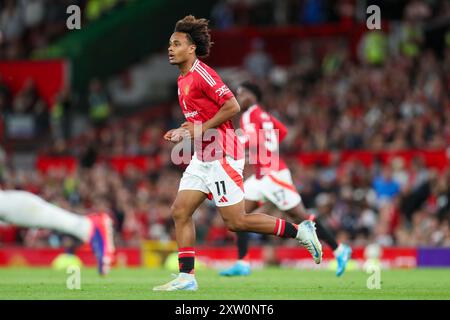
<point>176,135</point>
<point>189,126</point>
<point>168,135</point>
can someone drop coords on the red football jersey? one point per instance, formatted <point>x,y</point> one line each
<point>263,139</point>
<point>201,93</point>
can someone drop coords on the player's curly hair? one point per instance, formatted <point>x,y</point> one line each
<point>198,33</point>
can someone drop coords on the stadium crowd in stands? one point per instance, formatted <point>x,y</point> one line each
<point>390,204</point>
<point>395,97</point>
<point>28,25</point>
<point>399,105</point>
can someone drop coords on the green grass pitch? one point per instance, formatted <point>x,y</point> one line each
<point>269,283</point>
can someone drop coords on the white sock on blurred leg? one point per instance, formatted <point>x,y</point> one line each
<point>25,209</point>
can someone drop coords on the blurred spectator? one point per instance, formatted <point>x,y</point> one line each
<point>258,62</point>
<point>26,113</point>
<point>41,118</point>
<point>385,186</point>
<point>222,15</point>
<point>89,153</point>
<point>95,8</point>
<point>99,107</point>
<point>312,12</point>
<point>61,114</point>
<point>12,24</point>
<point>33,12</point>
<point>374,46</point>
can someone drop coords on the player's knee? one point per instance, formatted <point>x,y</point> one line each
<point>236,224</point>
<point>178,213</point>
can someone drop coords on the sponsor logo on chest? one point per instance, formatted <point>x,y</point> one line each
<point>190,114</point>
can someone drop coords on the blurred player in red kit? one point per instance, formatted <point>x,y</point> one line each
<point>272,181</point>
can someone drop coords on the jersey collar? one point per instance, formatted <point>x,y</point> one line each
<point>194,65</point>
<point>253,107</point>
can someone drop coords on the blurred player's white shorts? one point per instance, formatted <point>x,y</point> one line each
<point>222,179</point>
<point>276,187</point>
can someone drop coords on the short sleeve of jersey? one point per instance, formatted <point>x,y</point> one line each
<point>249,123</point>
<point>282,130</point>
<point>213,86</point>
<point>245,128</point>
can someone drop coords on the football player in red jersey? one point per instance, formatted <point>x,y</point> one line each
<point>216,167</point>
<point>272,180</point>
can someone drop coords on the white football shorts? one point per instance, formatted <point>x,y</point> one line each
<point>221,179</point>
<point>276,187</point>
